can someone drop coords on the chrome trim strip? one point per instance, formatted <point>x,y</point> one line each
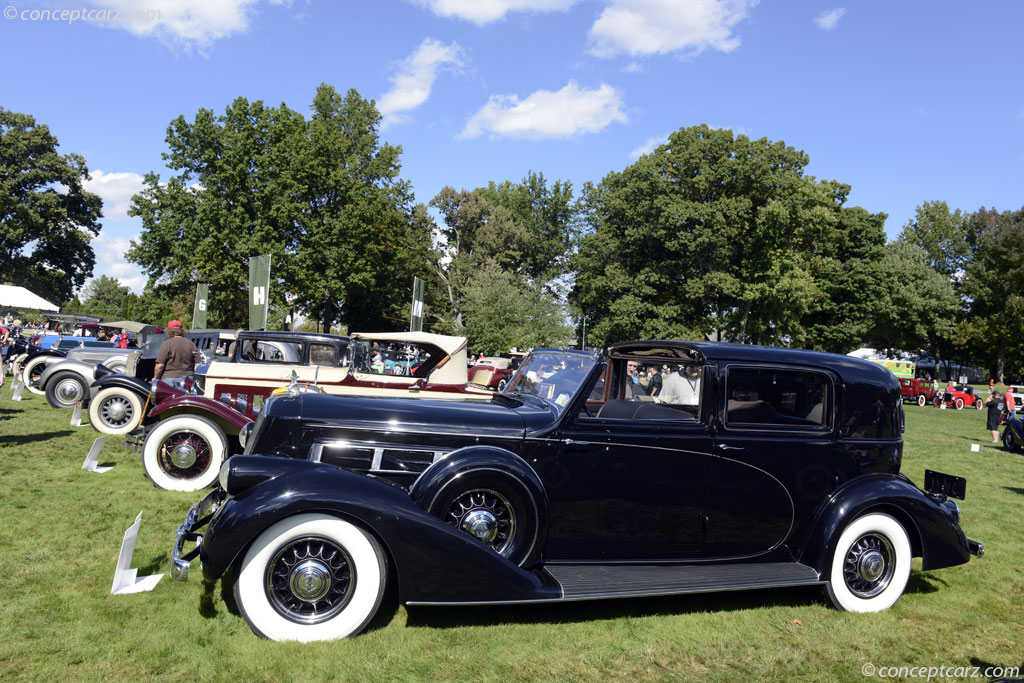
<point>378,455</point>
<point>316,451</point>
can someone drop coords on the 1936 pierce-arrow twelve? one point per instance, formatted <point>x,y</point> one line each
<point>749,467</point>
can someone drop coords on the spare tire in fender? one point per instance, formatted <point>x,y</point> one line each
<point>491,494</point>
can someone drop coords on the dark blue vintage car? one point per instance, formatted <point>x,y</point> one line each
<point>656,468</point>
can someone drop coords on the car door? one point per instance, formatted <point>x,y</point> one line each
<point>775,438</point>
<point>633,480</point>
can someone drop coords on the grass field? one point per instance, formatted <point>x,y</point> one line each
<point>61,527</point>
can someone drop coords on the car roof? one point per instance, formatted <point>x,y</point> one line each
<point>449,345</point>
<point>296,337</point>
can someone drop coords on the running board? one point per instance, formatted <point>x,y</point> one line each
<point>592,582</point>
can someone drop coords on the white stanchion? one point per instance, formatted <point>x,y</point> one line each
<point>90,463</point>
<point>975,448</point>
<point>76,416</point>
<point>18,386</point>
<point>125,579</point>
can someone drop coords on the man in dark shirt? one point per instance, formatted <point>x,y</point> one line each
<point>176,358</point>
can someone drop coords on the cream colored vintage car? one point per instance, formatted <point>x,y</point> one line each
<point>188,435</point>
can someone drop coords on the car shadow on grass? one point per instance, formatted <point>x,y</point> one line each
<point>20,439</point>
<point>1013,489</point>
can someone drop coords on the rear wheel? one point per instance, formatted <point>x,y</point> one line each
<point>922,400</point>
<point>184,453</point>
<point>870,566</point>
<point>115,411</point>
<point>978,404</point>
<point>311,577</point>
<point>1010,441</point>
<point>65,389</point>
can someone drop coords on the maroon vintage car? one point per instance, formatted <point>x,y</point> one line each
<point>493,372</point>
<point>917,390</point>
<point>959,396</point>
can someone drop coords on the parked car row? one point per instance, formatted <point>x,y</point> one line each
<point>333,475</point>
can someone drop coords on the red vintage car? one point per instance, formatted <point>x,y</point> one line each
<point>959,397</point>
<point>493,372</point>
<point>917,390</point>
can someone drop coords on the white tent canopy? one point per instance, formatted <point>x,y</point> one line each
<point>19,297</point>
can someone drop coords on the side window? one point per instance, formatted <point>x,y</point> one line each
<point>649,389</point>
<point>768,396</point>
<point>261,351</point>
<point>321,354</point>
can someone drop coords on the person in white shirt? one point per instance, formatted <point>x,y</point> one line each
<point>682,387</point>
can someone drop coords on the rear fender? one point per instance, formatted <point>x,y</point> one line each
<point>934,534</point>
<point>231,421</point>
<point>434,562</point>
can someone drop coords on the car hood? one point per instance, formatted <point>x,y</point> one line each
<point>409,415</point>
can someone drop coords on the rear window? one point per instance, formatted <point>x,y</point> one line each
<point>777,397</point>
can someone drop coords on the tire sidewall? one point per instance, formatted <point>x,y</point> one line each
<point>52,386</point>
<point>959,403</point>
<point>209,431</point>
<point>369,569</point>
<point>524,545</point>
<point>882,524</point>
<point>26,373</point>
<point>922,400</point>
<point>96,403</point>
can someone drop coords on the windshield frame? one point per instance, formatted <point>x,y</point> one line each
<point>569,371</point>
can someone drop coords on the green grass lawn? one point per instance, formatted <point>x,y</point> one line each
<point>61,527</point>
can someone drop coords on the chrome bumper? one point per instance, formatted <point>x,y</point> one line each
<point>198,517</point>
<point>975,548</point>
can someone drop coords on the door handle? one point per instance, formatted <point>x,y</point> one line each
<point>727,447</point>
<point>572,444</point>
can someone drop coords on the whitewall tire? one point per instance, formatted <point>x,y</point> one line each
<point>870,566</point>
<point>311,577</point>
<point>34,368</point>
<point>184,453</point>
<point>115,411</point>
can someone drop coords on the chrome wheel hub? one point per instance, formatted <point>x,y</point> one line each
<point>310,580</point>
<point>482,524</point>
<point>869,565</point>
<point>69,391</point>
<point>183,456</point>
<point>115,410</point>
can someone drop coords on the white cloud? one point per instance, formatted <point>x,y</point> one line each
<point>650,144</point>
<point>830,19</point>
<point>485,11</point>
<point>644,27</point>
<point>634,68</point>
<point>116,190</point>
<point>545,115</point>
<point>110,261</point>
<point>186,23</point>
<point>415,77</point>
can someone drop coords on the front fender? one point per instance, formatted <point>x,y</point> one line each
<point>934,534</point>
<point>122,381</point>
<point>76,366</point>
<point>231,420</point>
<point>434,562</point>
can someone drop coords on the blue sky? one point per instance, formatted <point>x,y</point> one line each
<point>905,101</point>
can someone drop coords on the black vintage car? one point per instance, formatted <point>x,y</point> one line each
<point>749,467</point>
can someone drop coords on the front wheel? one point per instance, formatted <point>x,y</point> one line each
<point>502,383</point>
<point>870,566</point>
<point>311,577</point>
<point>65,389</point>
<point>115,411</point>
<point>1010,441</point>
<point>32,371</point>
<point>938,402</point>
<point>959,403</point>
<point>183,453</point>
<point>921,400</point>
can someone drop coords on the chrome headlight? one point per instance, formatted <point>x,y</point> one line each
<point>243,436</point>
<point>224,475</point>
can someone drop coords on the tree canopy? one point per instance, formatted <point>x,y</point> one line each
<point>47,218</point>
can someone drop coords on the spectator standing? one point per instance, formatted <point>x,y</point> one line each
<point>176,359</point>
<point>992,424</point>
<point>653,381</point>
<point>1009,403</point>
<point>683,386</point>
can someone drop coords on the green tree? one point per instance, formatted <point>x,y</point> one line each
<point>709,233</point>
<point>944,235</point>
<point>992,285</point>
<point>46,216</point>
<point>103,294</point>
<point>918,308</point>
<point>505,311</point>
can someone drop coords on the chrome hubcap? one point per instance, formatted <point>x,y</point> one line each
<point>482,524</point>
<point>69,391</point>
<point>183,455</point>
<point>116,409</point>
<point>310,580</point>
<point>869,565</point>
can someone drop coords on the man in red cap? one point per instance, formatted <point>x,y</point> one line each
<point>177,356</point>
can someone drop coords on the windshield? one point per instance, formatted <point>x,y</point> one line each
<point>554,376</point>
